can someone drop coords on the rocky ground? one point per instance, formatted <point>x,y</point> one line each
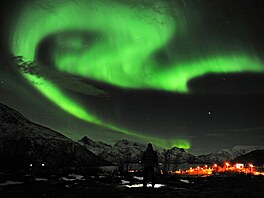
<point>74,185</point>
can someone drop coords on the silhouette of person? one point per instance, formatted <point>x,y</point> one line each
<point>149,160</point>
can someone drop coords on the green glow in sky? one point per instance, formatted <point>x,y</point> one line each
<point>121,55</point>
<point>69,105</point>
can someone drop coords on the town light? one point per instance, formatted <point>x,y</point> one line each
<point>227,164</point>
<point>248,168</point>
<point>251,166</point>
<point>239,166</point>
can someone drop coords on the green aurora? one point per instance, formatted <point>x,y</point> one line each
<point>122,55</point>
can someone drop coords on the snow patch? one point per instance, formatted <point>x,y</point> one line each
<point>10,183</point>
<point>138,178</point>
<point>72,177</point>
<point>185,181</point>
<point>124,182</point>
<point>141,185</point>
<point>41,179</point>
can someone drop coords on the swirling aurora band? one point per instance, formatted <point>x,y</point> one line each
<point>122,56</point>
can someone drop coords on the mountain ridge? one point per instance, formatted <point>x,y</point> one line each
<point>23,142</point>
<point>119,152</point>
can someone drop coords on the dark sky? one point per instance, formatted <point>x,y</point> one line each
<point>219,43</point>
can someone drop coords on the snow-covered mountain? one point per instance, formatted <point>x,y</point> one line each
<point>96,147</point>
<point>126,151</point>
<point>228,154</point>
<point>23,142</point>
<point>256,157</point>
<point>176,155</point>
<point>121,151</point>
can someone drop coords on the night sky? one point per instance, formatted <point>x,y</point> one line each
<point>172,72</point>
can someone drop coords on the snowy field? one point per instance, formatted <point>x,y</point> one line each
<point>75,185</point>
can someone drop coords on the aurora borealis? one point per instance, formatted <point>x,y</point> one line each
<point>122,57</point>
<point>160,47</point>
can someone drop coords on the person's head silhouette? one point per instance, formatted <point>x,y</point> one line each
<point>150,146</point>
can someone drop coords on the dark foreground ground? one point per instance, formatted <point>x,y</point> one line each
<point>73,186</point>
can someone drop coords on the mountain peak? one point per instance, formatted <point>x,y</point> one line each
<point>87,141</point>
